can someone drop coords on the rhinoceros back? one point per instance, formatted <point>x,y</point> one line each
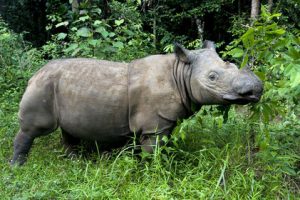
<point>89,97</point>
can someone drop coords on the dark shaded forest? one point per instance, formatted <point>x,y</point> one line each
<point>168,20</point>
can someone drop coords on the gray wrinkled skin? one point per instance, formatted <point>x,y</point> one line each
<point>109,102</point>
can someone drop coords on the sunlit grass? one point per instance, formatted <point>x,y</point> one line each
<point>211,163</point>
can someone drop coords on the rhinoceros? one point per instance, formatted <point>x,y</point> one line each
<point>109,102</point>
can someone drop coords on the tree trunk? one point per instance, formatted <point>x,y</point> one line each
<point>200,28</point>
<point>75,5</point>
<point>255,5</point>
<point>270,5</point>
<point>154,31</point>
<point>106,9</point>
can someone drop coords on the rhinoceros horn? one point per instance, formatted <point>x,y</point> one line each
<point>209,45</point>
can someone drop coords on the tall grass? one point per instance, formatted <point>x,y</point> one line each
<point>211,163</point>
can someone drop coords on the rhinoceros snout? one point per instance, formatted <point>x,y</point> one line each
<point>246,89</point>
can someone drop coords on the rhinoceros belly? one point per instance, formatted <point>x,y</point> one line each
<point>92,100</point>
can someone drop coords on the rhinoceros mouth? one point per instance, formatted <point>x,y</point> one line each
<point>238,99</point>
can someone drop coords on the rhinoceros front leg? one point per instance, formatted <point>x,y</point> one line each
<point>70,143</point>
<point>22,145</point>
<point>150,142</point>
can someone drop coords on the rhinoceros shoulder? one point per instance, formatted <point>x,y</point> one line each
<point>154,101</point>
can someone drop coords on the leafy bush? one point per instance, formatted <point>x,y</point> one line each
<point>88,34</point>
<point>17,59</point>
<point>274,54</point>
<point>271,131</point>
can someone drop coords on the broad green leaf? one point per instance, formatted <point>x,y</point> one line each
<point>280,43</point>
<point>293,53</point>
<point>278,32</point>
<point>61,36</point>
<point>97,10</point>
<point>75,52</point>
<point>102,31</point>
<point>129,32</point>
<point>65,23</point>
<point>93,42</point>
<point>118,45</point>
<point>112,34</point>
<point>236,52</point>
<point>119,22</point>
<point>248,38</point>
<point>4,36</point>
<point>289,69</point>
<point>261,75</point>
<point>97,22</point>
<point>276,15</point>
<point>84,32</point>
<point>99,29</point>
<point>71,47</point>
<point>245,61</point>
<point>295,79</point>
<point>84,18</point>
<point>269,27</point>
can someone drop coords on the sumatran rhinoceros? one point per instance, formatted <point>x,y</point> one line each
<point>109,102</point>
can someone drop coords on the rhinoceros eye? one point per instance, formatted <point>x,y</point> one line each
<point>213,76</point>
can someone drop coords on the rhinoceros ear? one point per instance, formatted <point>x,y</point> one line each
<point>181,53</point>
<point>209,45</point>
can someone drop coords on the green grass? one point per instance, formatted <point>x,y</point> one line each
<point>215,161</point>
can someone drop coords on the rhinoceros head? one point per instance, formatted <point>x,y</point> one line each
<point>214,81</point>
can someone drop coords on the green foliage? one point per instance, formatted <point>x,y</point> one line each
<point>90,35</point>
<point>214,161</point>
<point>290,11</point>
<point>17,60</point>
<point>26,17</point>
<point>274,54</point>
<point>239,24</point>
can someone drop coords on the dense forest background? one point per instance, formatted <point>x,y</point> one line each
<point>165,20</point>
<point>247,152</point>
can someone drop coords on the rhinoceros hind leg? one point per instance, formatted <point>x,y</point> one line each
<point>24,139</point>
<point>22,145</point>
<point>70,143</point>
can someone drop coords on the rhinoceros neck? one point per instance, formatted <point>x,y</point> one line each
<point>182,76</point>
